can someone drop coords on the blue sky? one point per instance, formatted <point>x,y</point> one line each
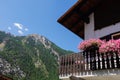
<point>23,17</point>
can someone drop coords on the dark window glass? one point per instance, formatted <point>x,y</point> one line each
<point>116,36</point>
<point>107,13</point>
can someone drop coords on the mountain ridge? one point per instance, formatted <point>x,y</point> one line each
<point>31,57</point>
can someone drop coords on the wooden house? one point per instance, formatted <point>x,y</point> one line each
<point>92,19</point>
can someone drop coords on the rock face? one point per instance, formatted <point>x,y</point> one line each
<point>7,68</point>
<point>47,44</point>
<point>31,57</point>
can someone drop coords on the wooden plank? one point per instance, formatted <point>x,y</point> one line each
<point>75,78</point>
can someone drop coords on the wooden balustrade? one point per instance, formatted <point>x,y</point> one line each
<point>86,61</point>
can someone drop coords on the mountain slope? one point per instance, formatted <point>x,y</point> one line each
<point>31,57</point>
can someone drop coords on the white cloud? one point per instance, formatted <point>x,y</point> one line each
<point>20,32</point>
<point>20,28</point>
<point>18,25</point>
<point>26,29</point>
<point>9,28</point>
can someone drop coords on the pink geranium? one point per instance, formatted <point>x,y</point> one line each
<point>110,46</point>
<point>88,43</point>
<point>118,45</point>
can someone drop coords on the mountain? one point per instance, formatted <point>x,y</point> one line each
<point>31,57</point>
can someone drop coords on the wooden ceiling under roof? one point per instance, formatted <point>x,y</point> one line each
<point>75,17</point>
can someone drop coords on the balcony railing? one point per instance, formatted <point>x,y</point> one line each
<point>90,60</point>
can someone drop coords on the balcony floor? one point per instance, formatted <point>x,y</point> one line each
<point>111,74</point>
<point>111,77</point>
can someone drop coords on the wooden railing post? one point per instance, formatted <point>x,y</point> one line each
<point>112,61</point>
<point>88,60</point>
<point>107,61</point>
<point>117,60</point>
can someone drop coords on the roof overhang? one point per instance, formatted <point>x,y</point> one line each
<point>77,15</point>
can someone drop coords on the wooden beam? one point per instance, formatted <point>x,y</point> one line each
<point>63,18</point>
<point>83,16</point>
<point>75,78</point>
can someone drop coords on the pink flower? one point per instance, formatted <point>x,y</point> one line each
<point>118,45</point>
<point>91,42</point>
<point>110,46</point>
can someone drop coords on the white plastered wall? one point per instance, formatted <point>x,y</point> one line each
<point>89,28</point>
<point>91,33</point>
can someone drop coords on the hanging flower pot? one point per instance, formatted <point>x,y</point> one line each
<point>90,44</point>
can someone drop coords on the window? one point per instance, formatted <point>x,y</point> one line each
<point>116,36</point>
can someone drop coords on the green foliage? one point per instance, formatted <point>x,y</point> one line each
<point>36,61</point>
<point>4,36</point>
<point>60,50</point>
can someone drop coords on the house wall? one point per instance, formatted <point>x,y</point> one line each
<point>107,30</point>
<point>89,28</point>
<point>90,32</point>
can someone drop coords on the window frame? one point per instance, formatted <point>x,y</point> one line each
<point>114,35</point>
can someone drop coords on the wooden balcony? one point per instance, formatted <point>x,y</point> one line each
<point>90,63</point>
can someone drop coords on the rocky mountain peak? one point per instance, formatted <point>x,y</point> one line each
<point>41,39</point>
